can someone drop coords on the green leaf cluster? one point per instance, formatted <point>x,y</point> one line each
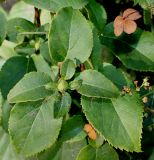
<point>63,67</point>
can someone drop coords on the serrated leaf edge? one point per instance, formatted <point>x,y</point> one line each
<point>141,116</point>
<point>90,34</point>
<point>118,90</point>
<point>29,90</point>
<point>34,153</point>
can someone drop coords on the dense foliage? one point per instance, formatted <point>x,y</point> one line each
<point>70,89</point>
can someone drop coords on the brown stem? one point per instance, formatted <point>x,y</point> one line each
<point>82,67</point>
<point>149,110</point>
<point>37,17</point>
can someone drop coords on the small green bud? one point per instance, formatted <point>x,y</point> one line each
<point>75,84</point>
<point>62,85</point>
<point>37,45</point>
<point>32,43</point>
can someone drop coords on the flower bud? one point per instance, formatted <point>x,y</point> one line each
<point>62,85</point>
<point>75,84</point>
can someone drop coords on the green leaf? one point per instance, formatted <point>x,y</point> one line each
<point>95,84</point>
<point>7,49</point>
<point>67,69</point>
<point>12,71</point>
<point>115,75</point>
<point>1,104</point>
<point>106,152</point>
<point>4,11</point>
<point>87,152</point>
<point>2,27</point>
<point>96,56</point>
<point>63,106</point>
<point>55,71</point>
<point>70,150</point>
<point>72,128</point>
<point>6,108</point>
<point>16,26</point>
<point>2,61</point>
<point>30,88</point>
<point>25,49</point>
<point>145,3</point>
<point>7,151</point>
<point>45,17</point>
<point>135,51</point>
<point>97,14</point>
<point>107,55</point>
<point>147,18</point>
<point>63,151</point>
<point>42,65</point>
<point>119,120</point>
<point>22,10</point>
<point>44,51</point>
<point>74,37</point>
<point>71,139</point>
<point>54,6</point>
<point>33,127</point>
<point>98,142</point>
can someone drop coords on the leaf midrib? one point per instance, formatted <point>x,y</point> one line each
<point>123,42</point>
<point>104,90</point>
<point>19,93</point>
<point>31,127</point>
<point>129,45</point>
<point>91,103</point>
<point>123,124</point>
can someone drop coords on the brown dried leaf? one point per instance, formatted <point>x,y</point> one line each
<point>131,14</point>
<point>92,134</point>
<point>118,25</point>
<point>129,26</point>
<point>88,128</point>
